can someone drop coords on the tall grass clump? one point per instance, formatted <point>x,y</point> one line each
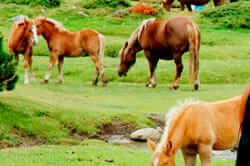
<point>233,15</point>
<point>93,4</point>
<point>46,3</point>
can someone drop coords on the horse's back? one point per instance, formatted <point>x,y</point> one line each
<point>201,122</point>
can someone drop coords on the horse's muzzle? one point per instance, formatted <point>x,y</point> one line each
<point>122,73</point>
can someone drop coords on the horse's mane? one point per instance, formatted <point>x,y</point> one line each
<point>138,32</point>
<point>172,113</point>
<point>13,38</point>
<point>55,23</point>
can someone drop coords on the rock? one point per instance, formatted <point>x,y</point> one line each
<point>73,7</point>
<point>82,13</point>
<point>120,13</point>
<point>18,18</point>
<point>146,133</point>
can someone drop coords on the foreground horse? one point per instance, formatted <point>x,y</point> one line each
<point>200,127</point>
<point>22,37</point>
<point>168,3</point>
<point>63,43</point>
<point>165,40</point>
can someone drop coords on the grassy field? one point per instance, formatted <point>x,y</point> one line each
<point>88,153</point>
<point>56,115</point>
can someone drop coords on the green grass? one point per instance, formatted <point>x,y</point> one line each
<point>89,153</point>
<point>46,111</point>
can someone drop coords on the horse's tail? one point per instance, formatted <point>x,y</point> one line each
<point>243,151</point>
<point>194,47</point>
<point>102,46</point>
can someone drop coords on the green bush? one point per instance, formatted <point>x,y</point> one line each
<point>47,3</point>
<point>112,50</point>
<point>8,69</point>
<point>233,15</point>
<point>92,4</point>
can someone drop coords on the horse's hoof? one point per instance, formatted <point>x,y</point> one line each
<point>196,87</point>
<point>94,83</point>
<point>174,87</point>
<point>45,82</point>
<point>149,85</point>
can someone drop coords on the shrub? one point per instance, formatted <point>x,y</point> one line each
<point>233,15</point>
<point>92,4</point>
<point>47,3</point>
<point>112,50</point>
<point>8,69</point>
<point>142,8</point>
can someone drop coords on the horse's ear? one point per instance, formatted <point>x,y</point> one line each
<point>126,44</point>
<point>168,147</point>
<point>151,144</point>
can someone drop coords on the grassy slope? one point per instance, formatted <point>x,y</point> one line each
<point>48,111</point>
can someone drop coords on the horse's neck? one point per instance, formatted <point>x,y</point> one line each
<point>49,33</point>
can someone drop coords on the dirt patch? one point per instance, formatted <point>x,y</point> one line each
<point>117,128</point>
<point>158,119</point>
<point>24,140</point>
<point>5,144</point>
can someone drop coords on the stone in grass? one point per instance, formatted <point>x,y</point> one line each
<point>146,133</point>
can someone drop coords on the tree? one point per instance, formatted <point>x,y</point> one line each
<point>8,69</point>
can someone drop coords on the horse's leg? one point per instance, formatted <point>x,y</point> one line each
<point>16,56</point>
<point>189,158</point>
<point>26,66</point>
<point>60,70</point>
<point>31,76</point>
<point>205,152</point>
<point>99,69</point>
<point>52,60</point>
<point>182,6</point>
<point>218,2</point>
<point>179,69</point>
<point>189,7</point>
<point>152,66</point>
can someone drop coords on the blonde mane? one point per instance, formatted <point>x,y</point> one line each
<point>136,35</point>
<point>56,24</point>
<point>173,112</point>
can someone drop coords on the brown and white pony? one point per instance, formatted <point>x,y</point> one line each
<point>168,3</point>
<point>63,43</point>
<point>199,127</point>
<point>166,40</point>
<point>23,35</point>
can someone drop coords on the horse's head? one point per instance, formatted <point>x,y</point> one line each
<point>45,25</point>
<point>25,29</point>
<point>128,54</point>
<point>167,4</point>
<point>39,23</point>
<point>162,155</point>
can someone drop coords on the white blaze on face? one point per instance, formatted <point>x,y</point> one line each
<point>156,161</point>
<point>35,37</point>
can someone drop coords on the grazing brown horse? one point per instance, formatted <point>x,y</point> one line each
<point>23,35</point>
<point>63,43</point>
<point>166,40</point>
<point>199,127</point>
<point>167,3</point>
